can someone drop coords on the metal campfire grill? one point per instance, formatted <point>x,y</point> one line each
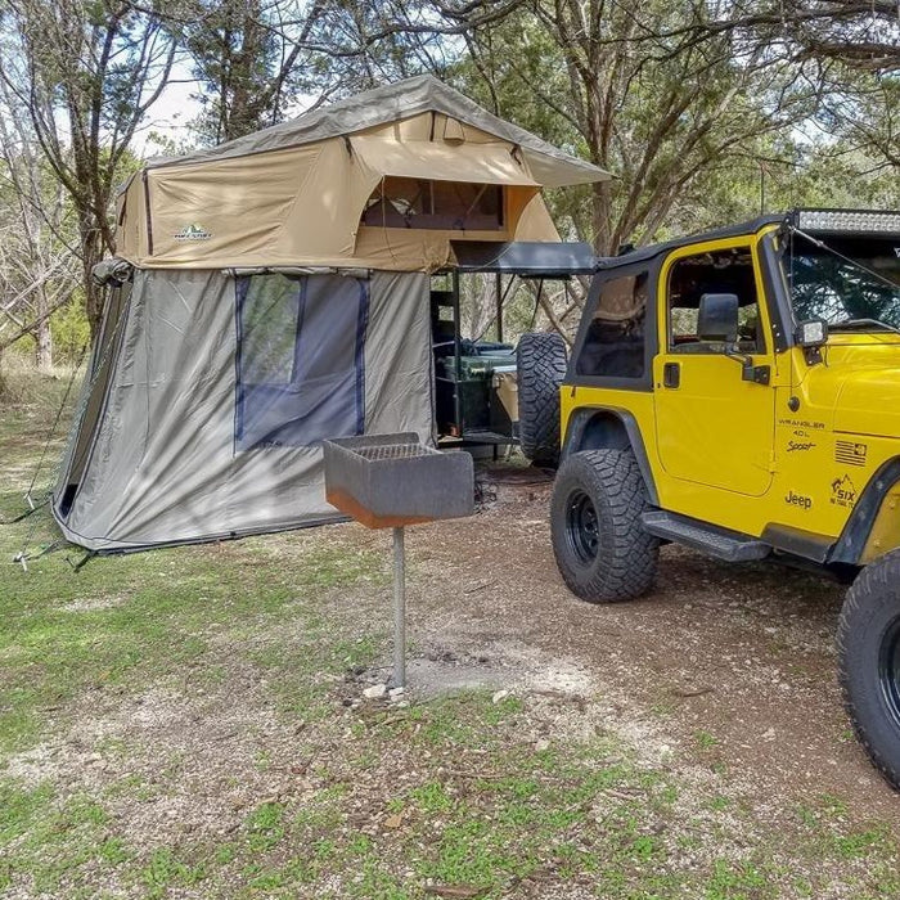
<point>391,481</point>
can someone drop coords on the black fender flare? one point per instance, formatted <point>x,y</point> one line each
<point>853,539</point>
<point>626,432</point>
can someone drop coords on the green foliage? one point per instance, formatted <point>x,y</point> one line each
<point>71,331</point>
<point>265,827</point>
<point>698,133</point>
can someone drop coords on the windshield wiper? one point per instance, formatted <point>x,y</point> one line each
<point>853,262</point>
<point>853,324</point>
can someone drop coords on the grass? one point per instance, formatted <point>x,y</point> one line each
<point>307,796</point>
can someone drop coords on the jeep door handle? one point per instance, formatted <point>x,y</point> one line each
<point>672,375</point>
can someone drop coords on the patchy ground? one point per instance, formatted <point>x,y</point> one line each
<point>191,723</point>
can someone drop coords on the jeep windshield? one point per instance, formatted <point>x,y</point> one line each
<point>853,282</point>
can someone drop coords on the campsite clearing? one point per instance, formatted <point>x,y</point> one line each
<point>190,723</point>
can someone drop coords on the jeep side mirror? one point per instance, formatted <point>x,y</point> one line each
<point>811,333</point>
<point>717,319</point>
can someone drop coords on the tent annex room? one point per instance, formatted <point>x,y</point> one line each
<point>273,292</point>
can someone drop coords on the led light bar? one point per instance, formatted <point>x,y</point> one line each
<point>848,221</point>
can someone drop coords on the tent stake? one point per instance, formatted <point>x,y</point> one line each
<point>399,679</point>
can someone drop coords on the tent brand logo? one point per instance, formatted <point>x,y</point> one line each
<point>193,232</point>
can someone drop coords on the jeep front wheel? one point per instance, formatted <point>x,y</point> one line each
<point>869,648</point>
<point>602,550</point>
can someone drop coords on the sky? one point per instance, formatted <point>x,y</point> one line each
<point>171,115</point>
<point>168,120</point>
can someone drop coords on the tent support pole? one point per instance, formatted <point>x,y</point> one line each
<point>399,679</point>
<point>499,278</point>
<point>457,349</point>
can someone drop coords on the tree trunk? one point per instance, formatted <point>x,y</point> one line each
<point>92,253</point>
<point>43,338</point>
<point>601,218</point>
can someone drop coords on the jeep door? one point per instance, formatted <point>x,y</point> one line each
<point>713,427</point>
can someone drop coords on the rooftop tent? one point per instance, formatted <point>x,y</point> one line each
<point>272,292</point>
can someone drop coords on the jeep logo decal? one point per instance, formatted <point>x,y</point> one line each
<point>800,500</point>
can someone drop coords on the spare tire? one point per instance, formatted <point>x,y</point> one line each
<point>541,365</point>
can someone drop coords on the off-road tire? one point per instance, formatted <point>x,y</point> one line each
<point>868,641</point>
<point>541,367</point>
<point>623,564</point>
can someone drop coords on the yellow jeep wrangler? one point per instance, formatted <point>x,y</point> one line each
<point>738,392</point>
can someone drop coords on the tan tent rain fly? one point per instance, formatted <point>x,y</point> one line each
<point>272,292</point>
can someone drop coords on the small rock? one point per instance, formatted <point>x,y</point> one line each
<point>396,692</point>
<point>769,735</point>
<point>500,695</point>
<point>403,704</point>
<point>376,692</point>
<point>541,745</point>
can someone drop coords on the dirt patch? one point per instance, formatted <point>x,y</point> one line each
<point>91,604</point>
<point>742,654</point>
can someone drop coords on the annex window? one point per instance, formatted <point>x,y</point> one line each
<point>447,205</point>
<point>300,371</point>
<point>615,340</point>
<point>720,272</point>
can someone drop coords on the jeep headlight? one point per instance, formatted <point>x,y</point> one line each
<point>811,333</point>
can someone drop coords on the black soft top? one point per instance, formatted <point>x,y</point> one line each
<point>641,254</point>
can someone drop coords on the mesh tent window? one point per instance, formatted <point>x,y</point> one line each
<point>446,205</point>
<point>300,364</point>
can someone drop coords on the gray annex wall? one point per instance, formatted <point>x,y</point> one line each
<point>165,468</point>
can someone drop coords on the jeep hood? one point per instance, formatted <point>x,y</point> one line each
<point>868,402</point>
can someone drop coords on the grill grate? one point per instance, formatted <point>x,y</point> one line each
<point>394,451</point>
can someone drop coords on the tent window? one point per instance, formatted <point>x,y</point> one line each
<point>300,375</point>
<point>445,205</point>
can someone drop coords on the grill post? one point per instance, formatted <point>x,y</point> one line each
<point>399,609</point>
<point>390,481</point>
